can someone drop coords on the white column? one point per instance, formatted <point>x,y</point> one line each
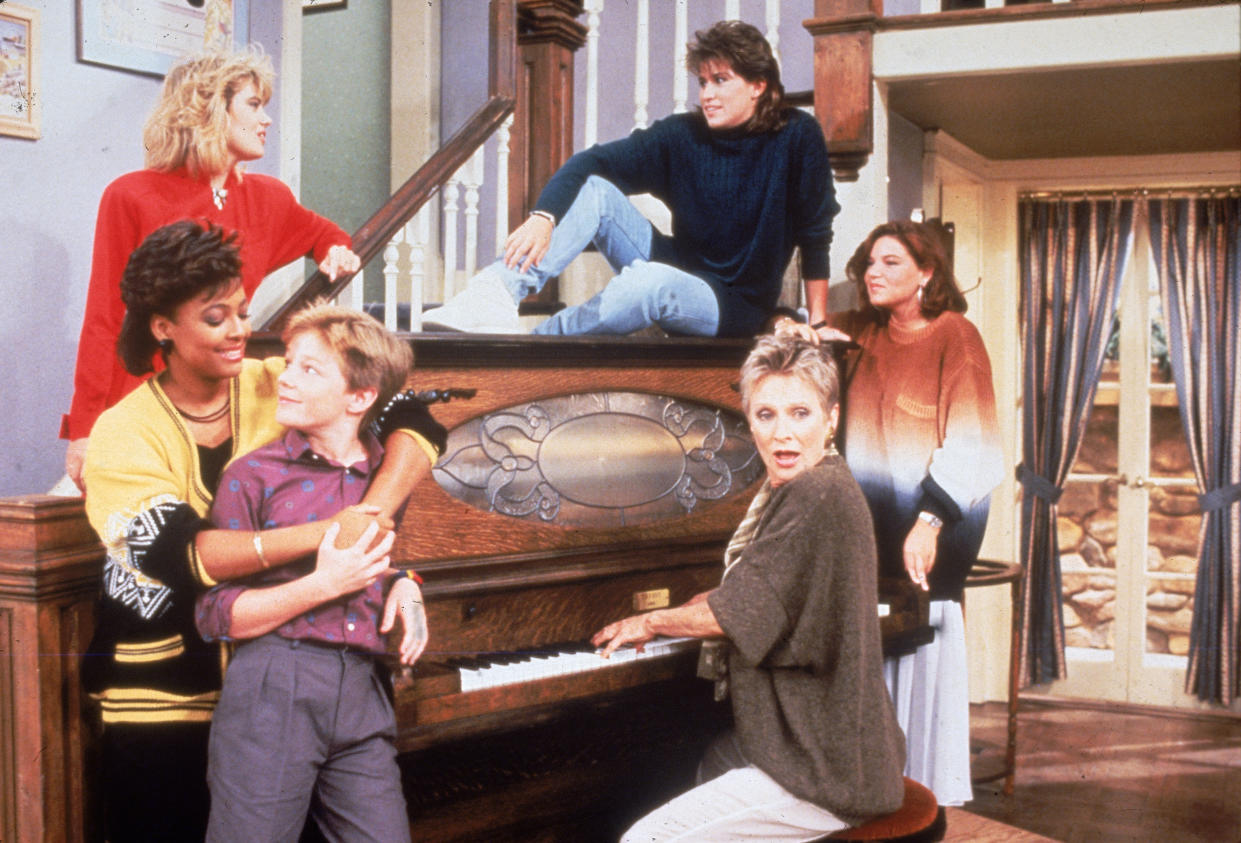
<point>473,178</point>
<point>680,77</point>
<point>773,27</point>
<point>392,254</point>
<point>357,292</point>
<point>418,234</point>
<point>732,10</point>
<point>641,67</point>
<point>590,126</point>
<point>452,191</point>
<point>503,141</point>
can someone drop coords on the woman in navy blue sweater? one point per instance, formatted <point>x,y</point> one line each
<point>746,179</point>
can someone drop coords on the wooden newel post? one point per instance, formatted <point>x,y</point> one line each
<point>50,563</point>
<point>548,34</point>
<point>843,31</point>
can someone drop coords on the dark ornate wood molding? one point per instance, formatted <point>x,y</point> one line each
<point>548,34</point>
<point>50,561</point>
<point>843,32</point>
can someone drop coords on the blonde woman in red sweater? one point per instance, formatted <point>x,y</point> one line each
<point>209,121</point>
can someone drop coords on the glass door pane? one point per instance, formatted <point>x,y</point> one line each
<point>1174,518</point>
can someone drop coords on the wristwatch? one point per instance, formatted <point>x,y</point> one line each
<point>934,520</point>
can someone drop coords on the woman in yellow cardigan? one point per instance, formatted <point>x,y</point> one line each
<point>151,470</point>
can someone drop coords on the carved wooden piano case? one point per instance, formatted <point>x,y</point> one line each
<point>585,479</point>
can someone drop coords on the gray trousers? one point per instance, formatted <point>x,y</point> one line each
<point>297,721</point>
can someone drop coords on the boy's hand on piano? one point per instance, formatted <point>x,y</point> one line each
<point>635,630</point>
<point>405,600</point>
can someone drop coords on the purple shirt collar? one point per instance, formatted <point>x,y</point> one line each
<point>297,446</point>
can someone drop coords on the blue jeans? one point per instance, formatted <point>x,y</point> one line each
<point>641,294</point>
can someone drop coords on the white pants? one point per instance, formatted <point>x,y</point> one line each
<point>930,689</point>
<point>742,804</point>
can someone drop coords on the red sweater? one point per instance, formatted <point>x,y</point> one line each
<point>274,230</point>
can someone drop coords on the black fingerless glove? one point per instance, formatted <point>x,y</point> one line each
<point>406,411</point>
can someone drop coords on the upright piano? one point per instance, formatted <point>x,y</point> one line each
<point>585,479</point>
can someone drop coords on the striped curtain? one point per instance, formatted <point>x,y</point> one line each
<point>1072,255</point>
<point>1197,249</point>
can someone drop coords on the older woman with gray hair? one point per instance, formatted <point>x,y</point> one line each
<point>815,746</point>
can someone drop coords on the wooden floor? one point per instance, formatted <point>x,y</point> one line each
<point>1088,774</point>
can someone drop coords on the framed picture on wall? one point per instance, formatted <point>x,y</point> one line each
<point>147,36</point>
<point>19,71</point>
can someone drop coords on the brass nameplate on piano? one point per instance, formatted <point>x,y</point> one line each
<point>645,601</point>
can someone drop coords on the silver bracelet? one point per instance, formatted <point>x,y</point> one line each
<point>547,215</point>
<point>932,519</point>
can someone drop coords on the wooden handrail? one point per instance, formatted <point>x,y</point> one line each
<point>371,239</point>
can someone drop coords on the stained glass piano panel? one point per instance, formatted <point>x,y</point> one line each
<point>599,459</point>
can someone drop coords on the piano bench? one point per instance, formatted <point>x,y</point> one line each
<point>917,820</point>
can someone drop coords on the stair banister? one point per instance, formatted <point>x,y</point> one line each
<point>372,238</point>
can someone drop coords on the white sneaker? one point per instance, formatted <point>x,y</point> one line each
<point>485,306</point>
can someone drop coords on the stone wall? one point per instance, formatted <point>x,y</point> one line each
<point>1088,532</point>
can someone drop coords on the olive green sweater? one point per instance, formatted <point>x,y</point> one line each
<point>805,657</point>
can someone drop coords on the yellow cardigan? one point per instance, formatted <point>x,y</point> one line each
<point>144,496</point>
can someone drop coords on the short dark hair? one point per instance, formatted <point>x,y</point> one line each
<point>172,265</point>
<point>746,51</point>
<point>926,247</point>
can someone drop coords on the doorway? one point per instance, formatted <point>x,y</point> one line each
<point>1129,517</point>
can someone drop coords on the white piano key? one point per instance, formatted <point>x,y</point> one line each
<point>515,670</point>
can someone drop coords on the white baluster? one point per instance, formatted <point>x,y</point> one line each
<point>473,178</point>
<point>392,254</point>
<point>641,67</point>
<point>417,234</point>
<point>503,141</point>
<point>680,77</point>
<point>452,190</point>
<point>773,28</point>
<point>357,292</point>
<point>590,134</point>
<point>930,7</point>
<point>732,10</point>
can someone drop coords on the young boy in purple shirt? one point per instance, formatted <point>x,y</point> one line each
<point>304,723</point>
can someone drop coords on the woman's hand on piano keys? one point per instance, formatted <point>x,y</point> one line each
<point>405,601</point>
<point>635,630</point>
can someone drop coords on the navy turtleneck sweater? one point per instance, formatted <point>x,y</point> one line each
<point>740,203</point>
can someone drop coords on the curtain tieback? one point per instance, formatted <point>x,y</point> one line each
<point>1037,484</point>
<point>1220,497</point>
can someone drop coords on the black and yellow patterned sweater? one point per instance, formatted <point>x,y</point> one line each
<point>148,495</point>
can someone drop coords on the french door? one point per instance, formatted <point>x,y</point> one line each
<point>1129,517</point>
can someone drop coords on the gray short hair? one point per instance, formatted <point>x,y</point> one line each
<point>784,354</point>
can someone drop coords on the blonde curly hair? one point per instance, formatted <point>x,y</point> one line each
<point>189,124</point>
